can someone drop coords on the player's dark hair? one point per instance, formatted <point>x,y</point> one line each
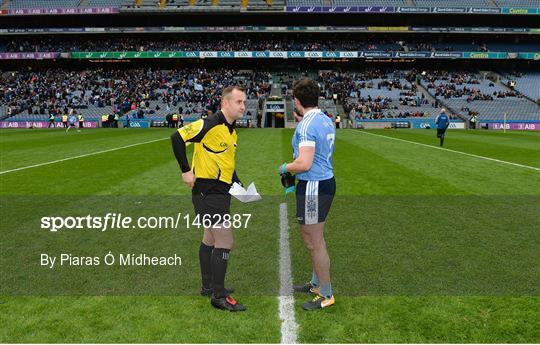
<point>307,92</point>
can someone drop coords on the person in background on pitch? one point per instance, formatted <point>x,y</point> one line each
<point>72,121</point>
<point>442,121</point>
<point>210,178</point>
<point>65,120</point>
<point>80,117</point>
<point>51,120</point>
<point>313,147</point>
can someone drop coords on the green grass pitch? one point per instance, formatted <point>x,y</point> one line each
<point>427,245</point>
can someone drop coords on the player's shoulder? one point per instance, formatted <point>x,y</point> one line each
<point>323,122</point>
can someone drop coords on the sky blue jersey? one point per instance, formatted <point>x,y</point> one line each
<point>316,130</point>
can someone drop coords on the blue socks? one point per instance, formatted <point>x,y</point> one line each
<point>314,280</point>
<point>326,290</point>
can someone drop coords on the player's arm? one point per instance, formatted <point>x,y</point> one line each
<point>306,152</point>
<point>304,161</point>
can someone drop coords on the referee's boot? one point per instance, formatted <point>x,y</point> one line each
<point>227,303</point>
<point>307,288</point>
<point>207,292</point>
<point>319,302</point>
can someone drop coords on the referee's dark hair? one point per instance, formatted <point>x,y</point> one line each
<point>307,92</point>
<point>229,89</point>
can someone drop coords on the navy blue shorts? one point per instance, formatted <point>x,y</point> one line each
<point>440,132</point>
<point>313,200</point>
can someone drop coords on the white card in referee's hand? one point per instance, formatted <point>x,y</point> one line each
<point>244,195</point>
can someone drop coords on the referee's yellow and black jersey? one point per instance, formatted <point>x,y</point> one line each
<point>215,148</point>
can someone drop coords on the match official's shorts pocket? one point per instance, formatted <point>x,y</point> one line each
<point>212,207</point>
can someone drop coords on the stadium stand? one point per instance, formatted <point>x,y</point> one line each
<point>18,4</point>
<point>261,4</point>
<point>141,92</point>
<point>376,94</point>
<point>449,3</point>
<point>252,42</point>
<point>369,94</point>
<point>469,93</point>
<point>395,3</point>
<point>527,84</point>
<point>518,3</point>
<point>304,3</point>
<point>101,3</point>
<point>515,109</point>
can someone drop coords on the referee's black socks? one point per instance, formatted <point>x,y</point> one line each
<point>220,257</point>
<point>205,259</point>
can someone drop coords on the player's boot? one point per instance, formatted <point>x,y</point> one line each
<point>227,303</point>
<point>442,140</point>
<point>208,291</point>
<point>307,288</point>
<point>319,302</point>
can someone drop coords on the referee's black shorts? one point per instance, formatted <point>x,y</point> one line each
<point>313,200</point>
<point>211,200</point>
<point>440,132</point>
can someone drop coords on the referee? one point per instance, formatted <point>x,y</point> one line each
<point>313,147</point>
<point>210,178</point>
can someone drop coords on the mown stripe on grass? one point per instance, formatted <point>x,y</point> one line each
<point>453,151</point>
<point>79,156</point>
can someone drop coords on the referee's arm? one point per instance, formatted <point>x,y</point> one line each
<point>191,133</point>
<point>179,149</point>
<point>236,179</point>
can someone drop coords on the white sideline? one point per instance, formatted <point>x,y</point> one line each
<point>448,150</point>
<point>79,156</point>
<point>289,327</point>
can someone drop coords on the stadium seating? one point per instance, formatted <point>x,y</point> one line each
<point>18,4</point>
<point>518,47</point>
<point>102,3</point>
<point>280,3</point>
<point>367,3</point>
<point>421,3</point>
<point>455,3</point>
<point>329,106</point>
<point>474,100</point>
<point>371,94</point>
<point>195,91</point>
<point>515,109</point>
<point>528,84</point>
<point>255,42</point>
<point>518,3</point>
<point>304,3</point>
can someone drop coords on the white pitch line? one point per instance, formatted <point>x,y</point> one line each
<point>79,156</point>
<point>449,150</point>
<point>289,327</point>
